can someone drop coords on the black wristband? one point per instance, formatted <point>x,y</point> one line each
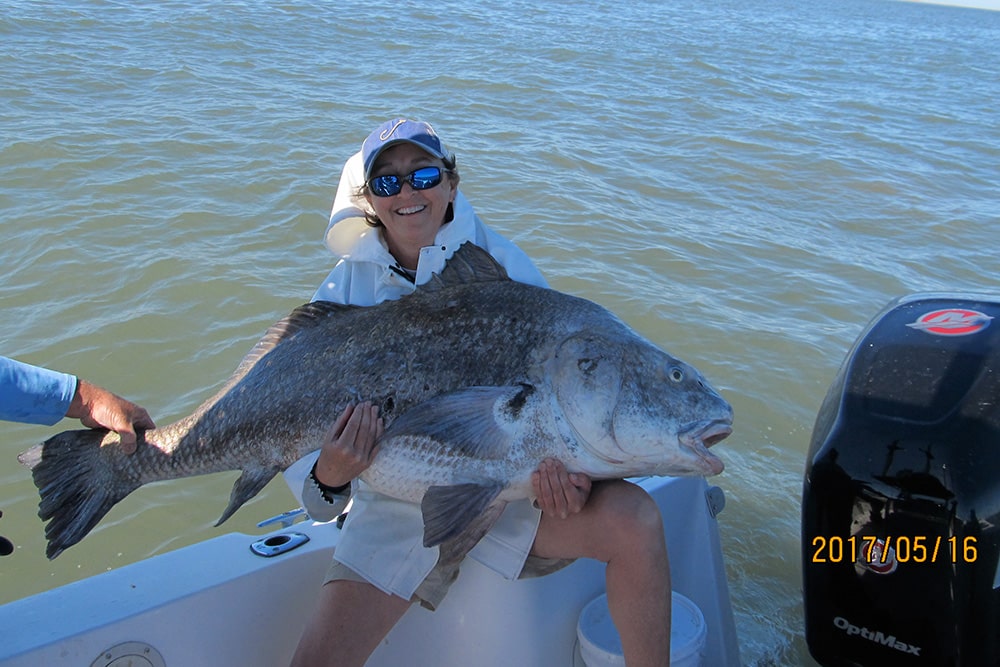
<point>328,490</point>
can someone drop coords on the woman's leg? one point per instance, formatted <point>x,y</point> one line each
<point>350,620</point>
<point>621,525</point>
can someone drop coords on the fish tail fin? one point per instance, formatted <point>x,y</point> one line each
<point>246,487</point>
<point>77,483</point>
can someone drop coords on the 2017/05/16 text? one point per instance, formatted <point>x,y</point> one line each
<point>908,549</point>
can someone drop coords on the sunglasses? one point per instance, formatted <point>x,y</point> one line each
<point>424,178</point>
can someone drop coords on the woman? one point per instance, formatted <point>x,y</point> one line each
<point>397,217</point>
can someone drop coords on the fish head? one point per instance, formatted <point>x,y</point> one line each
<point>668,415</point>
<point>636,410</point>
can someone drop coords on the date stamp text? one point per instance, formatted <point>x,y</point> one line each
<point>894,548</point>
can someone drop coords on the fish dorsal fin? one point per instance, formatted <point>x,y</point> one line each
<point>304,317</point>
<point>469,264</point>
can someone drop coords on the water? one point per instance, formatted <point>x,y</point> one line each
<point>745,183</point>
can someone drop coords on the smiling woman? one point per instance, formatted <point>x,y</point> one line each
<point>385,561</point>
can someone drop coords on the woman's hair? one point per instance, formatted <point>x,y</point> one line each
<point>451,172</point>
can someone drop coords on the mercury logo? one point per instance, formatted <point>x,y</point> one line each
<point>878,563</point>
<point>952,322</point>
<point>877,637</point>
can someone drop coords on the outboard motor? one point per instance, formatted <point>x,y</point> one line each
<point>901,500</point>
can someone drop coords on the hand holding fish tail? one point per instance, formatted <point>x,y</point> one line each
<point>350,445</point>
<point>557,491</point>
<point>99,408</point>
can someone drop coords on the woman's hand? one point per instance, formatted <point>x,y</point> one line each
<point>559,492</point>
<point>350,445</point>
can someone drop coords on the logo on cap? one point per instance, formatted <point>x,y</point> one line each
<point>952,322</point>
<point>388,133</point>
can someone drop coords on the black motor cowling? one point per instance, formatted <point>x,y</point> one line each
<point>901,499</point>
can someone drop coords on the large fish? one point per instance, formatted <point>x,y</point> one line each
<point>478,379</point>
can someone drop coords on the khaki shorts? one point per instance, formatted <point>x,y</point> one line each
<point>434,587</point>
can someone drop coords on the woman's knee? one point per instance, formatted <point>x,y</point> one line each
<point>630,515</point>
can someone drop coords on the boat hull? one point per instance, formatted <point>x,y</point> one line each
<point>216,603</point>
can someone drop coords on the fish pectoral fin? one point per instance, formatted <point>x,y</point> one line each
<point>246,487</point>
<point>470,422</point>
<point>450,510</point>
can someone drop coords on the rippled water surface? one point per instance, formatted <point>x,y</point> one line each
<point>746,183</point>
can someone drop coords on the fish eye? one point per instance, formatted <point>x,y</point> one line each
<point>676,374</point>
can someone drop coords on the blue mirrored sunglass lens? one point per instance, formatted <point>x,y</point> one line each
<point>425,178</point>
<point>386,186</point>
<point>421,179</point>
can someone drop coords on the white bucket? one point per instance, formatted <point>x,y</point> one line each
<point>600,645</point>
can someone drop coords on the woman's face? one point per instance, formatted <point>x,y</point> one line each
<point>411,216</point>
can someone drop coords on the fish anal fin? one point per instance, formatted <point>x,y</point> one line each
<point>450,511</point>
<point>246,487</point>
<point>453,551</point>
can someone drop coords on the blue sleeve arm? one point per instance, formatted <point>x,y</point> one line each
<point>32,394</point>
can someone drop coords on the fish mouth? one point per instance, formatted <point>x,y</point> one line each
<point>702,435</point>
